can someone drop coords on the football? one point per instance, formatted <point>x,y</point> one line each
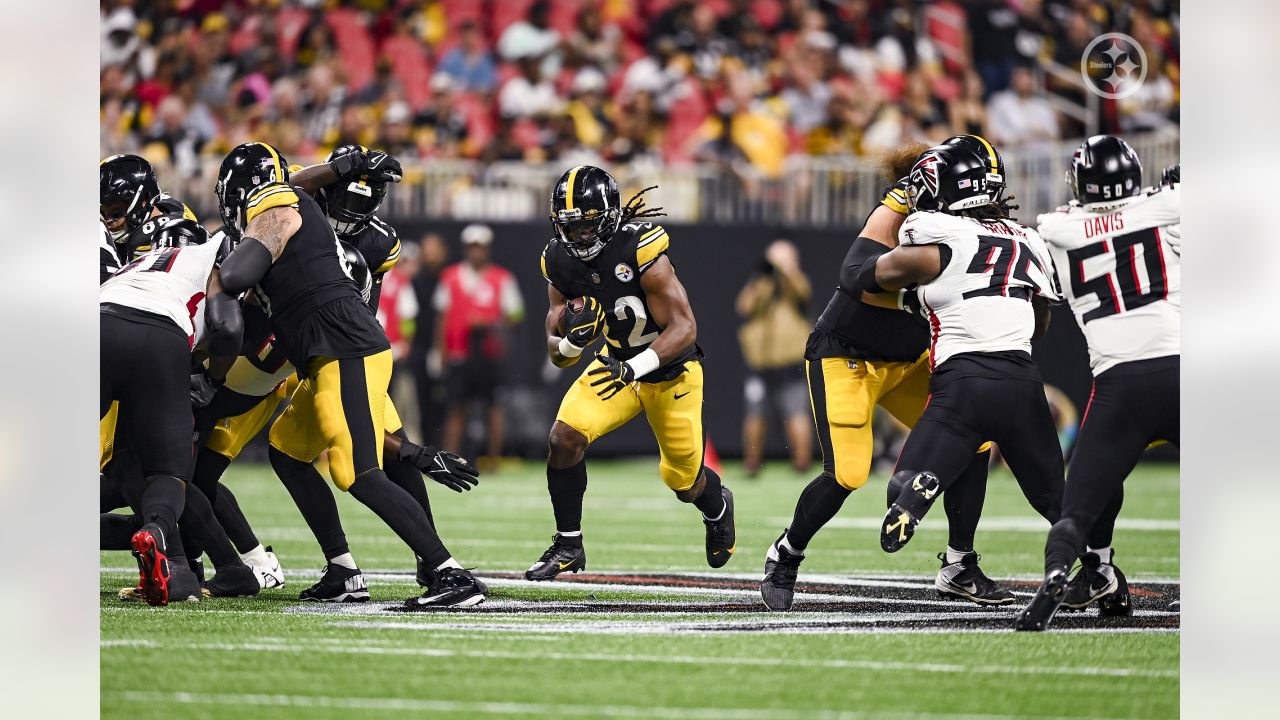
<point>576,304</point>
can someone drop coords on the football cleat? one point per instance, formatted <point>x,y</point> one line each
<point>424,573</point>
<point>1094,580</point>
<point>153,564</point>
<point>964,580</point>
<point>267,568</point>
<point>561,556</point>
<point>1175,606</point>
<point>905,513</point>
<point>184,586</point>
<point>1117,604</point>
<point>721,536</point>
<point>197,567</point>
<point>234,581</point>
<point>1038,613</point>
<point>337,584</point>
<point>450,587</point>
<point>780,568</point>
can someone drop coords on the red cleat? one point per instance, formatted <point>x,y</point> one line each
<point>153,564</point>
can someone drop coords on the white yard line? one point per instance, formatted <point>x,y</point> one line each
<point>999,524</point>
<point>355,647</point>
<point>519,709</point>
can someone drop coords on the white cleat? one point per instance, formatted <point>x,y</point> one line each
<point>267,567</point>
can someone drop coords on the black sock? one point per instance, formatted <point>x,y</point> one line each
<point>408,477</point>
<point>963,502</point>
<point>208,472</point>
<point>1104,527</point>
<point>398,510</point>
<point>162,503</point>
<point>115,531</point>
<point>818,503</point>
<point>228,512</point>
<point>711,501</point>
<point>567,486</point>
<point>315,501</point>
<point>199,524</point>
<point>1066,541</point>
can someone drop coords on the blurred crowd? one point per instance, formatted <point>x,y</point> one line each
<point>571,81</point>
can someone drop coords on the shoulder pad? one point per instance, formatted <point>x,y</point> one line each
<point>170,205</point>
<point>271,195</point>
<point>895,197</point>
<point>921,228</point>
<point>650,245</point>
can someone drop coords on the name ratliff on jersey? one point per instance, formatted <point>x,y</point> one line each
<point>1121,269</point>
<point>613,278</point>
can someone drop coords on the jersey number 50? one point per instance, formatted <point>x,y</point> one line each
<point>1121,270</point>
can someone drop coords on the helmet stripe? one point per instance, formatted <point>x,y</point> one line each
<point>568,192</point>
<point>991,153</point>
<point>275,160</point>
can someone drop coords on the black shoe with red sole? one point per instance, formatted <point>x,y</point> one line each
<point>153,564</point>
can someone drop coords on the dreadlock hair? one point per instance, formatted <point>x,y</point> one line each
<point>635,207</point>
<point>1002,210</point>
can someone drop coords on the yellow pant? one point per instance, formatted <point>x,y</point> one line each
<point>341,407</point>
<point>844,392</point>
<point>673,409</point>
<point>107,435</point>
<point>230,435</point>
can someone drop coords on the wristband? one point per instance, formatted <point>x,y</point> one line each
<point>568,349</point>
<point>644,363</point>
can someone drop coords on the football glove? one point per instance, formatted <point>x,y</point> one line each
<point>583,326</point>
<point>444,467</point>
<point>613,376</point>
<point>1171,175</point>
<point>895,197</point>
<point>381,166</point>
<point>203,388</point>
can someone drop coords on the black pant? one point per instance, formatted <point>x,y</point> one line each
<point>1132,405</point>
<point>145,365</point>
<point>975,397</point>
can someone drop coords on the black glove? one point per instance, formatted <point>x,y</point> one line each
<point>1171,175</point>
<point>350,165</point>
<point>444,467</point>
<point>614,376</point>
<point>203,388</point>
<point>381,166</point>
<point>584,326</point>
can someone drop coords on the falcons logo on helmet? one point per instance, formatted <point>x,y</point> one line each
<point>925,173</point>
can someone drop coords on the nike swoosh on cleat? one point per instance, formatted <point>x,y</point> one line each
<point>565,565</point>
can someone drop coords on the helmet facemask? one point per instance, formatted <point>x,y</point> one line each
<point>584,234</point>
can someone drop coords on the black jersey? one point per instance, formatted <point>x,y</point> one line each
<point>314,306</point>
<point>379,244</point>
<point>613,278</point>
<point>109,260</point>
<point>851,328</point>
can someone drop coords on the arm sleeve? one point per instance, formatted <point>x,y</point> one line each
<point>225,324</point>
<point>862,250</point>
<point>245,266</point>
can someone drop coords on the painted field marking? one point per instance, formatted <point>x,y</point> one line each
<point>1000,524</point>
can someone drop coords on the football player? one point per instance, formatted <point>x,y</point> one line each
<point>1119,249</point>
<point>861,355</point>
<point>614,264</point>
<point>148,313</point>
<point>984,282</point>
<point>288,253</point>
<point>128,196</point>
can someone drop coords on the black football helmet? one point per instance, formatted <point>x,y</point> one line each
<point>1104,169</point>
<point>586,209</point>
<point>246,168</point>
<point>357,268</point>
<point>127,186</point>
<point>171,230</point>
<point>978,145</point>
<point>949,178</point>
<point>350,203</point>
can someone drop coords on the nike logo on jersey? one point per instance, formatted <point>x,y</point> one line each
<point>680,395</point>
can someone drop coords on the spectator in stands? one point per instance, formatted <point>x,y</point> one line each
<point>806,98</point>
<point>477,301</point>
<point>1019,116</point>
<point>773,305</point>
<point>968,113</point>
<point>442,125</point>
<point>993,34</point>
<point>640,130</point>
<point>528,94</point>
<point>533,37</point>
<point>743,129</point>
<point>586,109</point>
<point>425,356</point>
<point>469,64</point>
<point>172,140</point>
<point>595,43</point>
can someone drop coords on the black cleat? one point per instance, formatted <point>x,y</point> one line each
<point>564,554</point>
<point>337,584</point>
<point>450,587</point>
<point>1093,581</point>
<point>184,586</point>
<point>1175,606</point>
<point>197,567</point>
<point>722,539</point>
<point>905,513</point>
<point>1117,604</point>
<point>153,564</point>
<point>424,574</point>
<point>234,581</point>
<point>964,580</point>
<point>1038,613</point>
<point>780,568</point>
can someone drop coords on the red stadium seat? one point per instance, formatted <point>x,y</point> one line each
<point>289,25</point>
<point>409,64</point>
<point>355,45</point>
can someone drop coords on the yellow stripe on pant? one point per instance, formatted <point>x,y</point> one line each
<point>107,435</point>
<point>340,406</point>
<point>673,409</point>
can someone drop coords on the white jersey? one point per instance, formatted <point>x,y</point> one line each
<point>170,282</point>
<point>1121,270</point>
<point>980,302</point>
